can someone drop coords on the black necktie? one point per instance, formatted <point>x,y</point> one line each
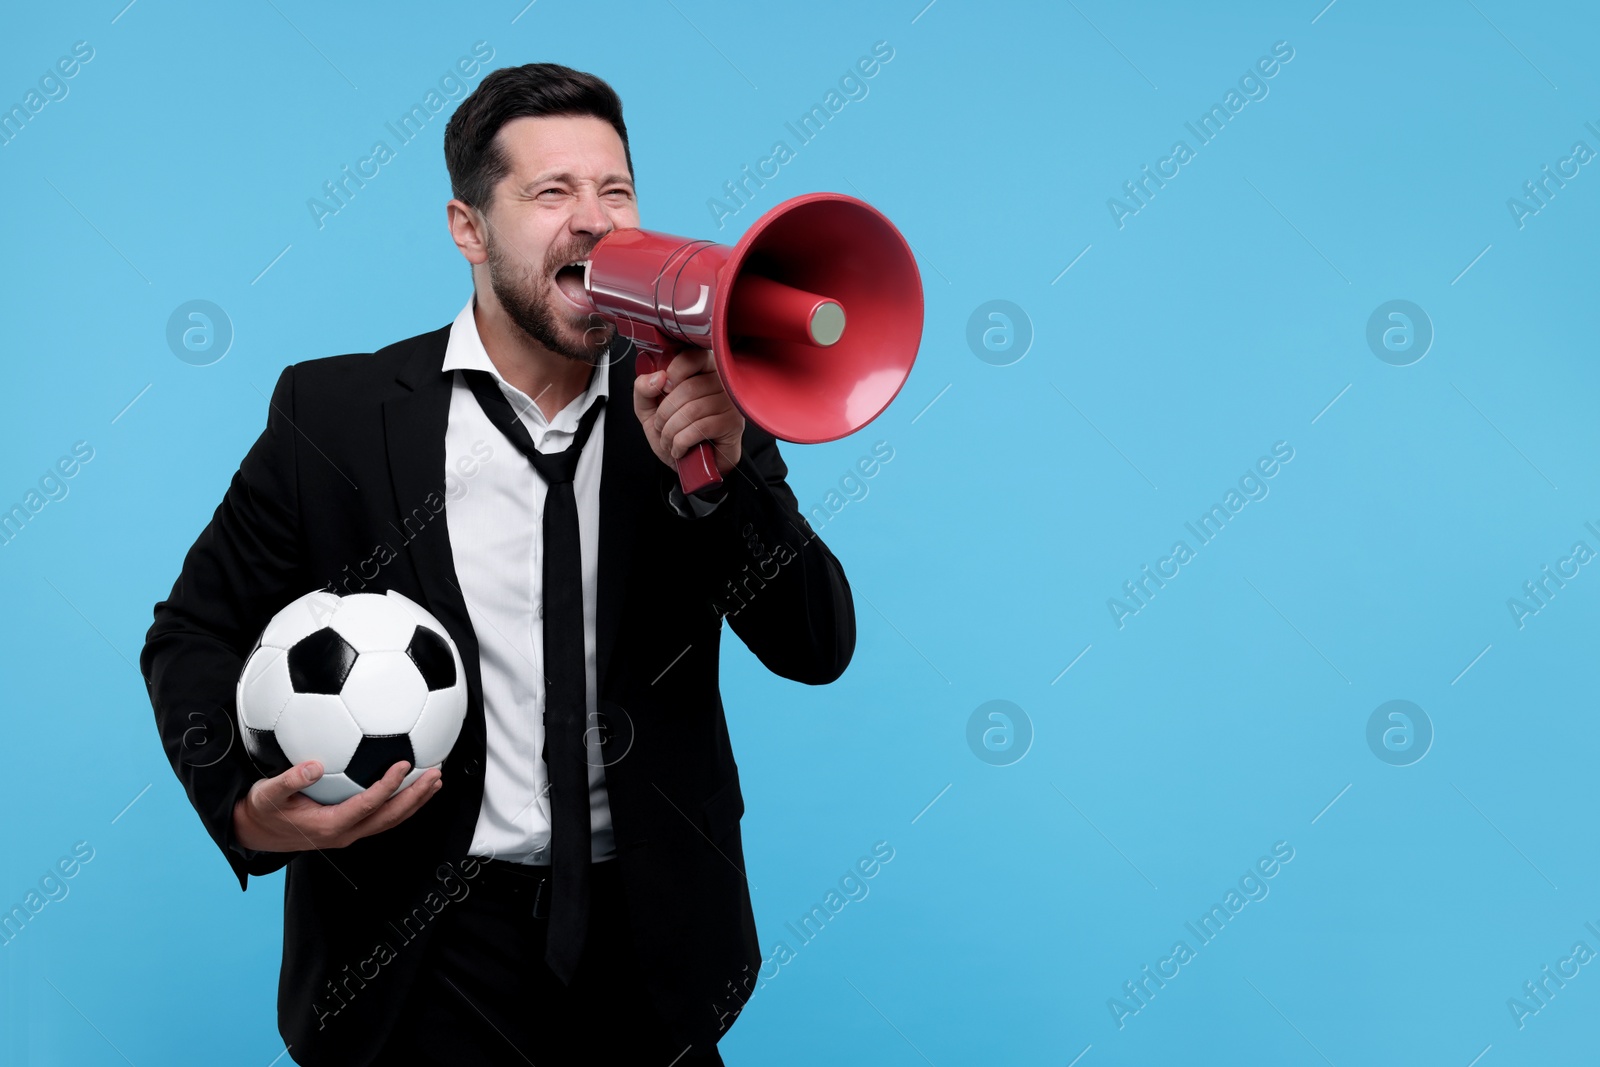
<point>566,699</point>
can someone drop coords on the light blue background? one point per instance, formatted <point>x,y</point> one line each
<point>1223,317</point>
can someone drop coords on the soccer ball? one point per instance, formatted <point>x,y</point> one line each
<point>358,683</point>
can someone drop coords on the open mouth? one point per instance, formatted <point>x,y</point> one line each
<point>570,281</point>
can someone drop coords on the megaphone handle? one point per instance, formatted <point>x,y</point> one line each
<point>697,468</point>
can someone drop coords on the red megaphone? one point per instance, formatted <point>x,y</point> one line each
<point>814,316</point>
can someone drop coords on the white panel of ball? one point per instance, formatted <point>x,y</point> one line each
<point>419,614</point>
<point>371,624</point>
<point>384,693</point>
<point>331,789</point>
<point>436,728</point>
<point>318,726</point>
<point>264,688</point>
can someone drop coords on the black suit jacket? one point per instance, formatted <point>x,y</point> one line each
<point>345,489</point>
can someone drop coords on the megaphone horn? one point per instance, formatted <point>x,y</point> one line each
<point>815,316</point>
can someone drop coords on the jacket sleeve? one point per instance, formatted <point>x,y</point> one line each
<point>245,565</point>
<point>777,585</point>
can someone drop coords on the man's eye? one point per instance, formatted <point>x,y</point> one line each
<point>558,192</point>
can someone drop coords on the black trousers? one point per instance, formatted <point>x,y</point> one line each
<point>484,997</point>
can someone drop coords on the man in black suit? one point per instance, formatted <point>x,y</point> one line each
<point>418,923</point>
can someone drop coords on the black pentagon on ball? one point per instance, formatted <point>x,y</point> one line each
<point>320,662</point>
<point>376,754</point>
<point>432,657</point>
<point>265,752</point>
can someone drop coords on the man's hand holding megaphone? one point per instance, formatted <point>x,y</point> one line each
<point>808,327</point>
<point>686,404</point>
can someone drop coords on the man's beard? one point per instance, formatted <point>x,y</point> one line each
<point>532,303</point>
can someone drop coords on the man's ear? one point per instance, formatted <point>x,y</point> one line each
<point>469,230</point>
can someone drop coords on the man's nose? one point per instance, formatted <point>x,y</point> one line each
<point>589,216</point>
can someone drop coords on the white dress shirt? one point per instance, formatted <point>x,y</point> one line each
<point>496,537</point>
<point>495,519</point>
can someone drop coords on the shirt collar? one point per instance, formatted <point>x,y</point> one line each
<point>465,351</point>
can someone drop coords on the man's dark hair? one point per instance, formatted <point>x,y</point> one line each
<point>477,161</point>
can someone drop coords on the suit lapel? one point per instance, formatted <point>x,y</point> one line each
<point>414,423</point>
